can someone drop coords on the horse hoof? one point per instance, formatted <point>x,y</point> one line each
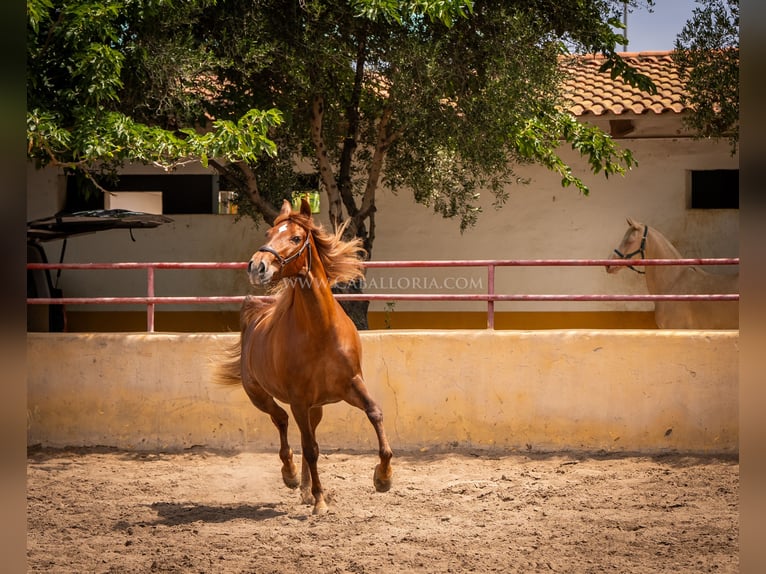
<point>306,496</point>
<point>382,484</point>
<point>320,508</point>
<point>291,480</point>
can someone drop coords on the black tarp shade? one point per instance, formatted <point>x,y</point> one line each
<point>63,225</point>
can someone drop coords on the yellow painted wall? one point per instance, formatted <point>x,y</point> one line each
<point>616,390</point>
<point>223,321</point>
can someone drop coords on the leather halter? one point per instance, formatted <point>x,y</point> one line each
<point>285,260</point>
<point>641,249</point>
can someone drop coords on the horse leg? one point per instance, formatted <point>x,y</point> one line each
<point>279,417</point>
<point>315,416</point>
<point>360,398</point>
<point>307,418</point>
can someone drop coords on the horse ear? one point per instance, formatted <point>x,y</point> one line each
<point>632,223</point>
<point>305,207</point>
<point>286,208</point>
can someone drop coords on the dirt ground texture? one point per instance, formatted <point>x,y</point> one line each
<point>109,511</point>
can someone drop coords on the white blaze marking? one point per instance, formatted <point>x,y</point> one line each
<point>282,228</point>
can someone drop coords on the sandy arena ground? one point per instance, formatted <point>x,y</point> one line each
<point>108,511</point>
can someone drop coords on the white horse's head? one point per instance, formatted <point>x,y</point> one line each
<point>633,244</point>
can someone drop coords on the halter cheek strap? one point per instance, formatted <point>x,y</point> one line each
<point>285,260</point>
<point>641,249</point>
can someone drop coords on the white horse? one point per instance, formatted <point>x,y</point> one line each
<point>648,243</point>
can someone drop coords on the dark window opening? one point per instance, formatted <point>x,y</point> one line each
<point>181,194</point>
<point>307,181</point>
<point>715,189</point>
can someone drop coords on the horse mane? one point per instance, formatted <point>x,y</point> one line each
<point>253,310</point>
<point>228,366</point>
<point>342,260</point>
<point>666,245</point>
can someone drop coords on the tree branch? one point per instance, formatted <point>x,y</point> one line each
<point>267,211</point>
<point>352,129</point>
<point>325,167</point>
<point>384,141</point>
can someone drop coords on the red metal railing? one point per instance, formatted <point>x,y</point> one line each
<point>490,297</point>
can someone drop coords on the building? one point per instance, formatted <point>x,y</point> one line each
<point>685,187</point>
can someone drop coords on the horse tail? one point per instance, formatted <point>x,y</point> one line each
<point>228,371</point>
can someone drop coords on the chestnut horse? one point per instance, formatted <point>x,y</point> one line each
<point>646,242</point>
<point>302,349</point>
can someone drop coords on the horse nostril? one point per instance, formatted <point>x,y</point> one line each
<point>250,266</point>
<point>261,268</point>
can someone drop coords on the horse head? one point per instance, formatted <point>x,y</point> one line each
<point>287,250</point>
<point>633,243</point>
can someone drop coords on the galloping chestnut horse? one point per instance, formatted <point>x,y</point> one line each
<point>303,349</point>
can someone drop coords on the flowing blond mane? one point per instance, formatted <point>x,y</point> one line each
<point>342,260</point>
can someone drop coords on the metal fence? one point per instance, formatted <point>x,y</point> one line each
<point>490,296</point>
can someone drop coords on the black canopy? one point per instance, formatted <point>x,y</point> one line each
<point>63,224</point>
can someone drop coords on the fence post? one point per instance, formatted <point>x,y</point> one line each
<point>490,291</point>
<point>150,293</point>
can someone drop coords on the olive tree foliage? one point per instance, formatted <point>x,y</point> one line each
<point>444,98</point>
<point>707,55</point>
<point>110,82</point>
<point>443,104</point>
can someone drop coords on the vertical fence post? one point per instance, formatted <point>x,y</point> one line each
<point>490,291</point>
<point>150,293</point>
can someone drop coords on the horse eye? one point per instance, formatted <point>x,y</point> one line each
<point>295,239</point>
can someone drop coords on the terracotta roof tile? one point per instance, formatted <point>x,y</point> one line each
<point>591,92</point>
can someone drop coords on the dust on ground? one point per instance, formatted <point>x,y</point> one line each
<point>111,511</point>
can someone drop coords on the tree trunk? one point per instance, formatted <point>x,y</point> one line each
<point>356,310</point>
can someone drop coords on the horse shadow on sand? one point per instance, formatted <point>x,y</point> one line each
<point>179,513</point>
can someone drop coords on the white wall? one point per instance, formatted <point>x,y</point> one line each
<point>540,220</point>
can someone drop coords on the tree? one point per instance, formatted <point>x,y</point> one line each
<point>707,55</point>
<point>441,98</point>
<point>113,81</point>
<point>400,99</point>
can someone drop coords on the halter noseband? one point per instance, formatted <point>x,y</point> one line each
<point>641,249</point>
<point>285,260</point>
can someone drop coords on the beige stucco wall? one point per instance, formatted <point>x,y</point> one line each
<point>540,220</point>
<point>648,391</point>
